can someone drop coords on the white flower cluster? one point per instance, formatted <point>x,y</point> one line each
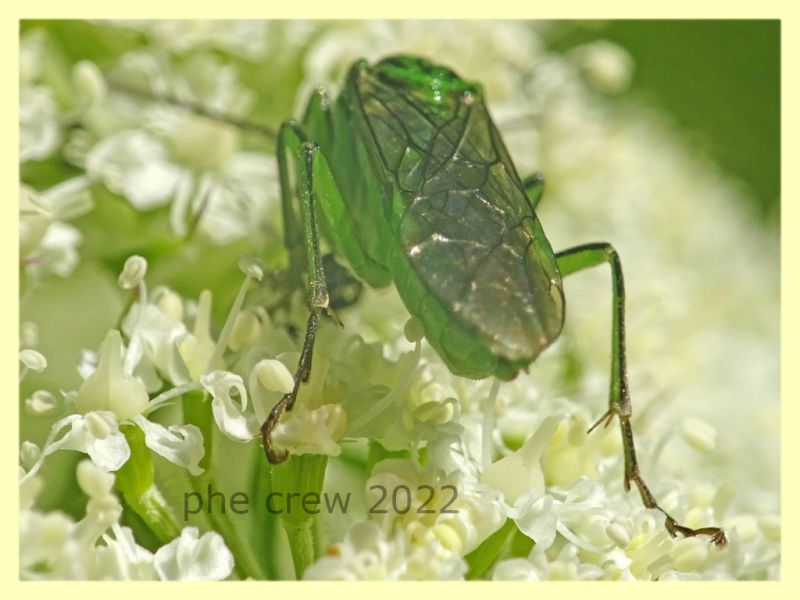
<point>54,546</point>
<point>535,496</point>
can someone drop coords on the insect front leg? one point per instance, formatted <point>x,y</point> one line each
<point>584,257</point>
<point>293,141</point>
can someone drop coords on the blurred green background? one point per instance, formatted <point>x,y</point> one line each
<point>719,81</point>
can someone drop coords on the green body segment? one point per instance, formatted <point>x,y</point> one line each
<point>426,196</point>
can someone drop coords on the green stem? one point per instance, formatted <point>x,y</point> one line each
<point>136,482</point>
<point>156,514</point>
<point>301,543</point>
<point>301,477</point>
<point>263,531</point>
<point>197,411</point>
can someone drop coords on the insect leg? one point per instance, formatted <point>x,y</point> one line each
<point>534,187</point>
<point>584,257</point>
<point>292,140</point>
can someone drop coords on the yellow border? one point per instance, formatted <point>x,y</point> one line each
<point>408,8</point>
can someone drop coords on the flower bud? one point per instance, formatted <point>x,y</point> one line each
<point>252,267</point>
<point>699,434</point>
<point>274,376</point>
<point>689,554</point>
<point>34,360</point>
<point>41,403</point>
<point>89,80</point>
<point>133,272</point>
<point>109,387</point>
<point>29,453</point>
<point>93,480</point>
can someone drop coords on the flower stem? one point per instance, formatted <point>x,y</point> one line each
<point>300,478</point>
<point>197,412</point>
<point>135,479</point>
<point>227,328</point>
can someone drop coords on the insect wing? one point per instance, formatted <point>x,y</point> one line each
<point>465,224</point>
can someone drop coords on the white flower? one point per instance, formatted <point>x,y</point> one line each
<point>520,472</point>
<point>189,161</point>
<point>193,557</point>
<point>197,348</point>
<point>448,481</point>
<point>230,417</point>
<point>535,517</point>
<point>39,133</point>
<point>161,330</point>
<point>178,355</point>
<point>95,433</point>
<point>180,444</point>
<point>133,272</point>
<point>121,558</point>
<point>109,387</point>
<point>107,397</point>
<point>514,569</point>
<point>311,430</point>
<point>57,252</point>
<point>606,65</point>
<point>247,38</point>
<point>35,215</point>
<point>369,552</point>
<point>47,244</point>
<point>39,130</point>
<point>134,164</point>
<point>88,78</point>
<point>53,546</point>
<point>49,548</point>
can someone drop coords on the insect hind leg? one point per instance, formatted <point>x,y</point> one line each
<point>590,255</point>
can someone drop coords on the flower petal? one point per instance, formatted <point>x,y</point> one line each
<point>521,471</point>
<point>121,558</point>
<point>312,431</point>
<point>179,444</point>
<point>229,416</point>
<point>97,434</point>
<point>191,557</point>
<point>133,163</point>
<point>535,516</point>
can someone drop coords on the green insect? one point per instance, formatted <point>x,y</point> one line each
<point>408,179</point>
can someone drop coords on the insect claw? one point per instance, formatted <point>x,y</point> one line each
<point>720,539</point>
<point>716,534</point>
<point>605,419</point>
<point>269,424</point>
<point>332,314</point>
